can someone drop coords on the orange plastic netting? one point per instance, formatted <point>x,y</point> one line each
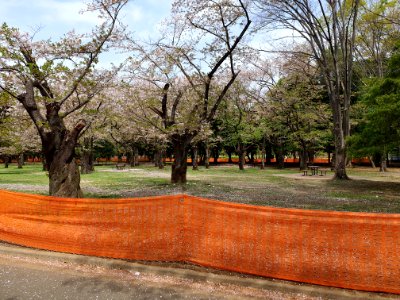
<point>349,250</point>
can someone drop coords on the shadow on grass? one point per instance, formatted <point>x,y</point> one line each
<point>365,185</point>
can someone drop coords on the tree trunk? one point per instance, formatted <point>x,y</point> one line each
<point>340,153</point>
<point>135,158</point>
<point>340,129</point>
<point>229,157</point>
<point>215,155</point>
<point>179,166</point>
<point>311,156</point>
<point>87,156</point>
<point>6,161</point>
<point>340,164</point>
<point>280,158</point>
<point>207,156</point>
<point>242,160</point>
<point>59,150</point>
<point>20,160</point>
<point>44,164</point>
<point>372,162</point>
<point>129,157</point>
<point>242,156</point>
<point>194,158</point>
<point>303,159</point>
<point>349,162</point>
<point>65,179</point>
<point>263,152</point>
<point>160,156</point>
<point>383,163</point>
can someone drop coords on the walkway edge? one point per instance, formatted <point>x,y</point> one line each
<point>131,266</point>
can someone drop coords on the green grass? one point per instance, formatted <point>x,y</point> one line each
<point>368,191</point>
<point>29,174</point>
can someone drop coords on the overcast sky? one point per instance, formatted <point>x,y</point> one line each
<point>56,17</point>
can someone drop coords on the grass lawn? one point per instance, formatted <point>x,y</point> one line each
<point>368,191</point>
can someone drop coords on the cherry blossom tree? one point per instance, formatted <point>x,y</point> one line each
<point>53,81</point>
<point>188,73</point>
<point>126,126</point>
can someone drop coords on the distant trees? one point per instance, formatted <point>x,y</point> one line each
<point>297,109</point>
<point>329,28</point>
<point>377,35</point>
<point>378,31</point>
<point>238,126</point>
<point>377,132</point>
<point>19,137</point>
<point>5,110</point>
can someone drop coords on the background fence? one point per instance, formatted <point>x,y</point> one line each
<point>349,250</point>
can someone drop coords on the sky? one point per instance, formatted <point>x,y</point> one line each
<point>52,18</point>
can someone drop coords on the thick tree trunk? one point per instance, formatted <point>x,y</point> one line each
<point>303,159</point>
<point>340,129</point>
<point>340,164</point>
<point>194,158</point>
<point>65,179</point>
<point>179,166</point>
<point>280,158</point>
<point>20,160</point>
<point>87,160</point>
<point>242,160</point>
<point>59,150</point>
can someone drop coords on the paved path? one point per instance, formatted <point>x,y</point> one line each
<point>34,274</point>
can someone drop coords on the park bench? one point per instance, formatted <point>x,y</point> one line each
<point>120,166</point>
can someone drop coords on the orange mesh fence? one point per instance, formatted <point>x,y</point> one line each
<point>349,250</point>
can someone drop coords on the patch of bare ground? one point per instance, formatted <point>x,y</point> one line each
<point>39,189</point>
<point>156,173</point>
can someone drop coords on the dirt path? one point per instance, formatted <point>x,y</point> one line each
<point>34,274</point>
